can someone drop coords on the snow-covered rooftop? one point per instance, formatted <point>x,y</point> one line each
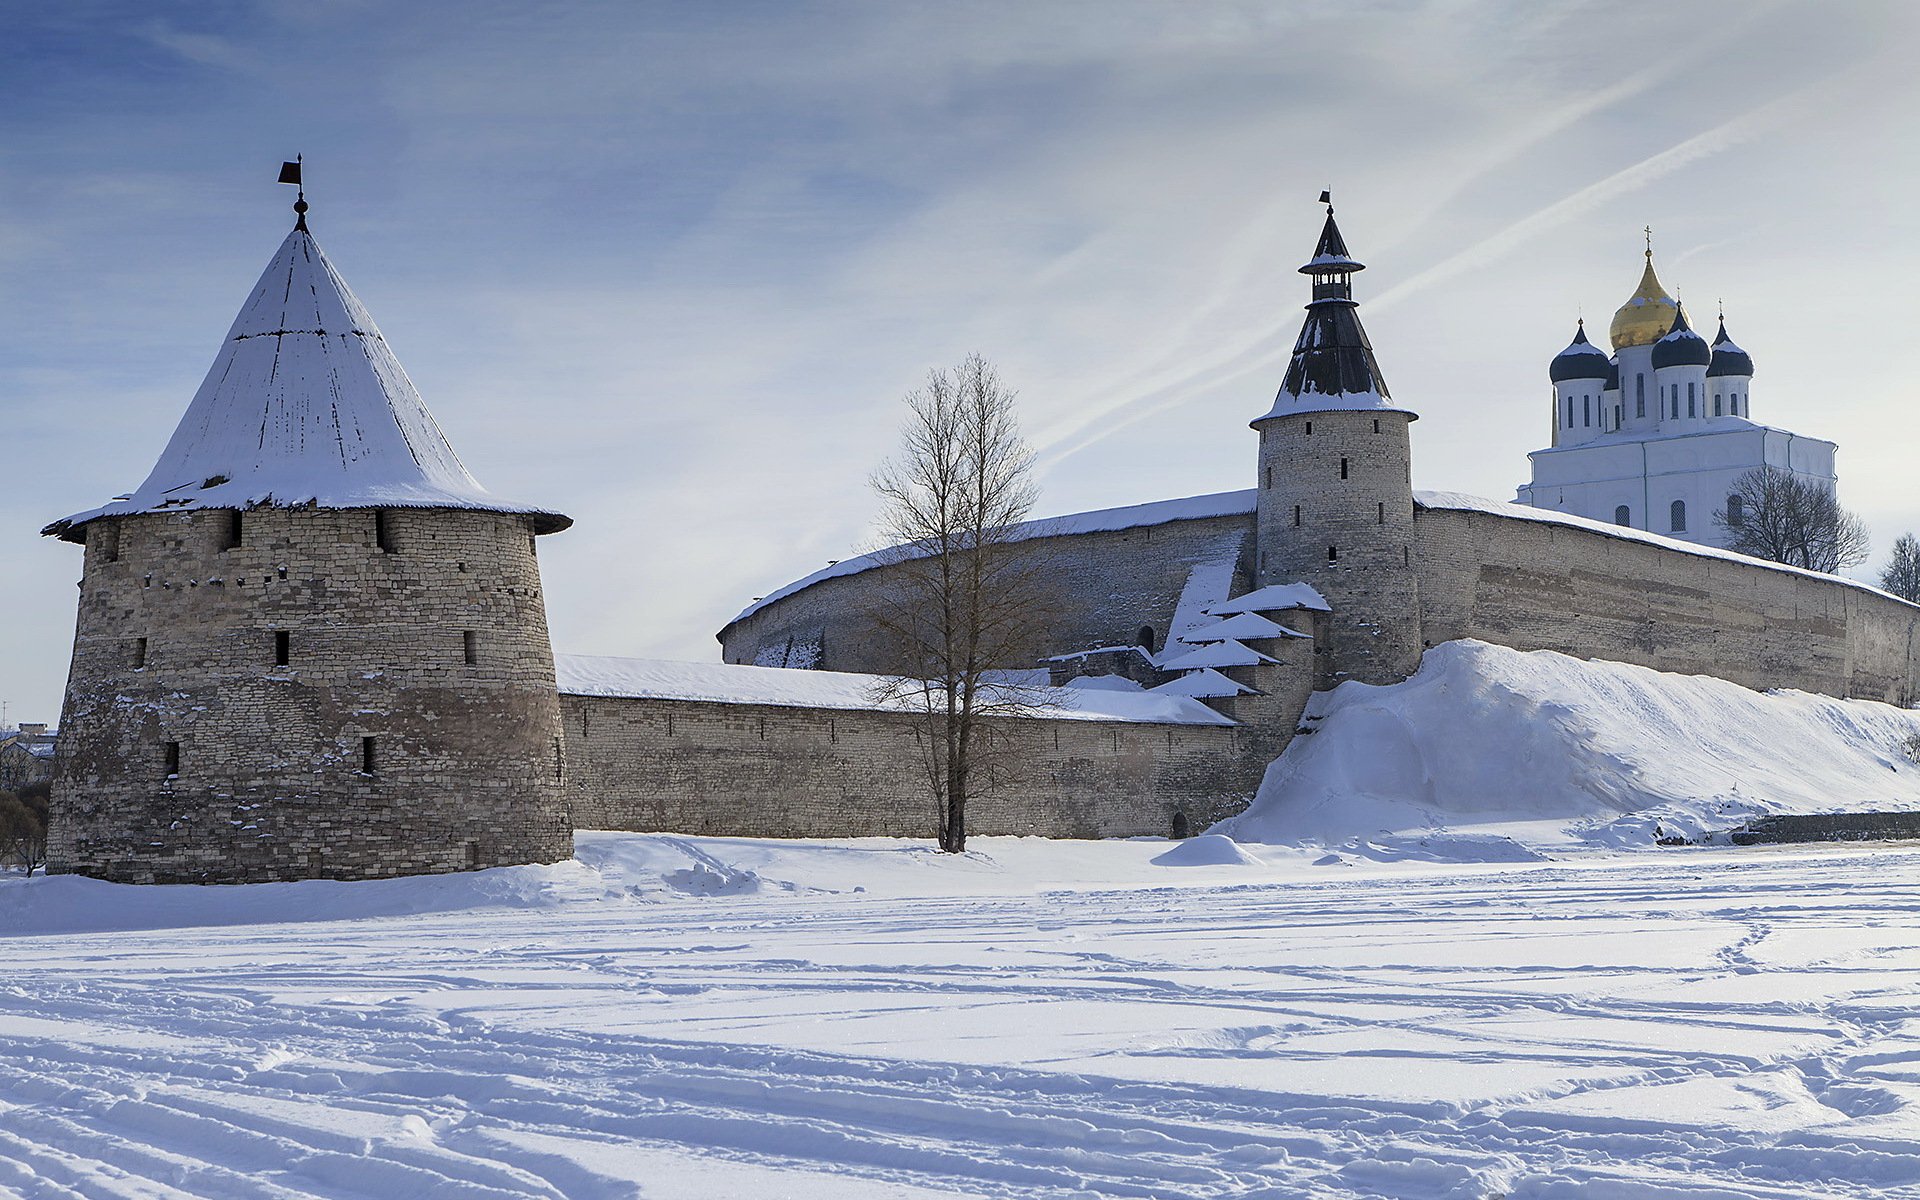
<point>1203,684</point>
<point>306,404</point>
<point>1216,654</point>
<point>730,683</point>
<point>1246,626</point>
<point>1275,597</point>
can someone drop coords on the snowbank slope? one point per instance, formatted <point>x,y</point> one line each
<point>1556,750</point>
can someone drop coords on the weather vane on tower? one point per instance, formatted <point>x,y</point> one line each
<point>290,173</point>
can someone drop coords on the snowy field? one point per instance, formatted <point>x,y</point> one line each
<point>672,1017</point>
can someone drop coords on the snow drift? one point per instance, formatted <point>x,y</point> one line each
<point>1532,747</point>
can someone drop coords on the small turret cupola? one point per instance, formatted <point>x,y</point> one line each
<point>1333,367</point>
<point>1580,360</point>
<point>1728,359</point>
<point>1648,314</point>
<point>1681,347</point>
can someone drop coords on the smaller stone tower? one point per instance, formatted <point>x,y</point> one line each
<point>1335,489</point>
<point>310,645</point>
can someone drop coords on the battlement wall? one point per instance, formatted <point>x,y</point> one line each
<point>756,770</point>
<point>1535,584</point>
<point>1109,585</point>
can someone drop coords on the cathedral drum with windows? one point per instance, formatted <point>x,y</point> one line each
<point>1656,435</point>
<point>310,645</point>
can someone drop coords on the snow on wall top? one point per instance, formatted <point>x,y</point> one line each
<point>1460,501</point>
<point>1104,520</point>
<point>306,404</point>
<point>1279,596</point>
<point>730,683</point>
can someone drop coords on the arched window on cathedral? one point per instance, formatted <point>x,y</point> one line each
<point>1621,516</point>
<point>1639,395</point>
<point>1569,412</point>
<point>1677,516</point>
<point>1692,410</point>
<point>1736,510</point>
<point>1586,410</point>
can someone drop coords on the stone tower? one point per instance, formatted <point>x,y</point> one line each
<point>310,645</point>
<point>1335,488</point>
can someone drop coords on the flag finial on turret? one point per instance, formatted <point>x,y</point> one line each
<point>290,173</point>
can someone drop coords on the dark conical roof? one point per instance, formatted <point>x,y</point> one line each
<point>1580,360</point>
<point>1728,359</point>
<point>1332,365</point>
<point>1682,347</point>
<point>1330,255</point>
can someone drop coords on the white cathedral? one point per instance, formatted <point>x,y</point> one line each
<point>1655,436</point>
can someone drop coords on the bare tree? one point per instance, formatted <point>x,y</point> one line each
<point>1778,515</point>
<point>1902,573</point>
<point>964,600</point>
<point>23,826</point>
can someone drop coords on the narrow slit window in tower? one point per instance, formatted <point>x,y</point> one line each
<point>470,641</point>
<point>1621,516</point>
<point>1266,477</point>
<point>1376,424</point>
<point>1383,513</point>
<point>1343,468</point>
<point>232,540</point>
<point>559,759</point>
<point>1333,554</point>
<point>282,647</point>
<point>173,759</point>
<point>139,653</point>
<point>1296,514</point>
<point>1309,427</point>
<point>366,756</point>
<point>382,531</point>
<point>1677,516</point>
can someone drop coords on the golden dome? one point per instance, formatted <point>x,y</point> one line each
<point>1646,317</point>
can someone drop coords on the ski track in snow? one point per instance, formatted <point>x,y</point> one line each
<point>1700,1026</point>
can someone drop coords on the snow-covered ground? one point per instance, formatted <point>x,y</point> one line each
<point>1444,960</point>
<point>1494,753</point>
<point>678,1017</point>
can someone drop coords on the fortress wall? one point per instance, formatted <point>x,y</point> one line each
<point>176,646</point>
<point>1535,585</point>
<point>752,770</point>
<point>1110,584</point>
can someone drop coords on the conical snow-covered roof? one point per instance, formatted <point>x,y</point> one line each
<point>306,404</point>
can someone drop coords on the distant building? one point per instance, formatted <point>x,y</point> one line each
<point>26,756</point>
<point>1656,435</point>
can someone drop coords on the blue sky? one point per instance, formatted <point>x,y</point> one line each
<point>670,267</point>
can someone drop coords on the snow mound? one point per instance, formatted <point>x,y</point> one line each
<point>1535,749</point>
<point>1207,850</point>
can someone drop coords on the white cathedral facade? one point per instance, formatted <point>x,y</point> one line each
<point>1656,435</point>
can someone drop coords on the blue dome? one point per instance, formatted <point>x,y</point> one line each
<point>1728,359</point>
<point>1682,347</point>
<point>1580,360</point>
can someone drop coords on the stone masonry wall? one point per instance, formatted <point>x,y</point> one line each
<point>1110,584</point>
<point>1336,511</point>
<point>176,646</point>
<point>1534,585</point>
<point>764,771</point>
